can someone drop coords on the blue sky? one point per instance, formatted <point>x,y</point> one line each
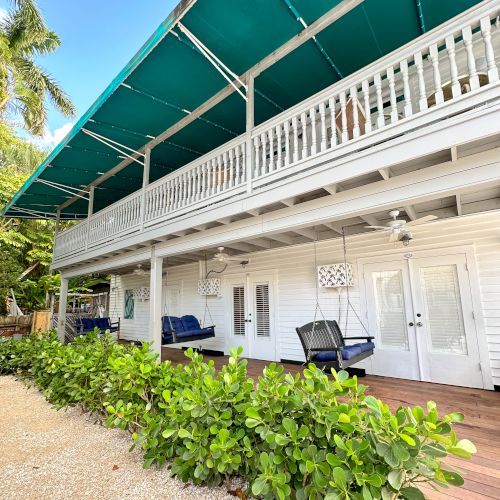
<point>98,38</point>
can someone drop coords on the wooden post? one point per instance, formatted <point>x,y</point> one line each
<point>61,317</point>
<point>145,183</point>
<point>155,302</point>
<point>250,122</point>
<point>90,210</point>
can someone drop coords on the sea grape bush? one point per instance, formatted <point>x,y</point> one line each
<point>306,436</point>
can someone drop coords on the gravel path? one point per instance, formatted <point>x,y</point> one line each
<point>62,454</point>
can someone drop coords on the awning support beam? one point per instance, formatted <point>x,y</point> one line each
<point>34,213</point>
<point>63,187</point>
<point>110,143</point>
<point>215,61</point>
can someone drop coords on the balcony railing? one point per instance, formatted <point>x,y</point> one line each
<point>429,79</point>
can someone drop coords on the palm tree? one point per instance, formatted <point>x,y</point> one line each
<point>24,85</point>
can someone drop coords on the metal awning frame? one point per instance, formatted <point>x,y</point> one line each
<point>62,187</point>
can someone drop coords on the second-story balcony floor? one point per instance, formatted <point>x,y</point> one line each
<point>420,102</point>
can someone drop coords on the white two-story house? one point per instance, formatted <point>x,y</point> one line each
<point>291,133</point>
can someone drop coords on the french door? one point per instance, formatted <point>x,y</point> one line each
<point>250,315</point>
<point>420,311</point>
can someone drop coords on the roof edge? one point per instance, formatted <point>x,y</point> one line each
<point>177,13</point>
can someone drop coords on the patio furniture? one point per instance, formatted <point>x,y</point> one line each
<point>464,82</point>
<point>185,329</point>
<point>87,325</point>
<point>324,345</point>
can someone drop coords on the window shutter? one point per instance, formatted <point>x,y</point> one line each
<point>239,310</point>
<point>262,309</point>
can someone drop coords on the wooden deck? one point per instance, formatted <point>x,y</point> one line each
<point>481,426</point>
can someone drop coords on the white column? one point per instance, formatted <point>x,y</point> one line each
<point>63,300</point>
<point>90,210</point>
<point>155,302</point>
<point>250,122</point>
<point>145,183</point>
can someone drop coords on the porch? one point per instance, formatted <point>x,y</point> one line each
<point>482,472</point>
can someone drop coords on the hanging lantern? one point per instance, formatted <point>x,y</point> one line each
<point>335,275</point>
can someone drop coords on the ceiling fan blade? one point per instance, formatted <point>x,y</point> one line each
<point>376,227</point>
<point>421,220</point>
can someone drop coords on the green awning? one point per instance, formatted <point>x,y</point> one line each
<point>169,77</point>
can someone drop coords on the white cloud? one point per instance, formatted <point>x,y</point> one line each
<point>51,139</point>
<point>3,14</point>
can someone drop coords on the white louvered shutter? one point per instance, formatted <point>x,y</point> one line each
<point>239,310</point>
<point>441,294</point>
<point>390,307</point>
<point>262,310</point>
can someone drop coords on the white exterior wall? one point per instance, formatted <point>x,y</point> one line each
<point>296,283</point>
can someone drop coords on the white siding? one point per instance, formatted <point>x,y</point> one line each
<point>296,282</point>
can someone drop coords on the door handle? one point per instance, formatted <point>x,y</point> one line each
<point>419,323</point>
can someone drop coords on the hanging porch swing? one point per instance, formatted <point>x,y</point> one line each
<point>322,340</point>
<point>187,328</point>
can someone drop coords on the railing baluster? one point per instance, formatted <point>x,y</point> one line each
<point>408,111</point>
<point>356,131</point>
<point>434,57</point>
<point>231,167</point>
<point>256,141</point>
<point>237,172</point>
<point>392,94</point>
<point>365,88</point>
<point>213,176</point>
<point>295,127</point>
<point>343,117</point>
<point>226,170</point>
<point>333,124</point>
<point>278,147</point>
<point>471,60</point>
<point>314,134</point>
<point>303,121</point>
<point>204,172</point>
<point>271,149</point>
<point>263,145</point>
<point>380,103</point>
<point>287,143</point>
<point>488,50</point>
<point>322,115</point>
<point>422,102</point>
<point>455,84</point>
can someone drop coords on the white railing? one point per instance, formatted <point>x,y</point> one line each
<point>439,67</point>
<point>408,88</point>
<point>211,176</point>
<point>120,218</point>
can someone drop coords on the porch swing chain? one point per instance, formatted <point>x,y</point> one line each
<point>165,304</point>
<point>207,309</point>
<point>349,305</point>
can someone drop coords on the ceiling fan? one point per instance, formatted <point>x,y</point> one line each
<point>222,256</point>
<point>139,271</point>
<point>400,227</point>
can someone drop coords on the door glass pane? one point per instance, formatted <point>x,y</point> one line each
<point>444,318</point>
<point>262,310</point>
<point>238,310</point>
<point>390,307</point>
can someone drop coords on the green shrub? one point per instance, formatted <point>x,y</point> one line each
<point>303,437</point>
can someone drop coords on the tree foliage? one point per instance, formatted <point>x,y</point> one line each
<point>24,85</point>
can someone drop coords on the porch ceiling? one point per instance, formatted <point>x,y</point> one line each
<point>169,77</point>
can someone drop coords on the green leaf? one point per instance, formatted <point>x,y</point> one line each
<point>184,433</point>
<point>259,485</point>
<point>453,478</point>
<point>408,439</point>
<point>467,446</point>
<point>411,493</point>
<point>395,478</point>
<point>339,477</point>
<point>167,433</point>
<point>252,413</point>
<point>373,404</point>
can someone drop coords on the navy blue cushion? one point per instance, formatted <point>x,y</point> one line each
<point>348,352</point>
<point>88,324</point>
<point>366,346</point>
<point>190,322</point>
<point>103,323</point>
<point>174,321</point>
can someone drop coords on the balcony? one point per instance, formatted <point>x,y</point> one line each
<point>447,72</point>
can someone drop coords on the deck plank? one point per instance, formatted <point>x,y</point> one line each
<point>481,409</point>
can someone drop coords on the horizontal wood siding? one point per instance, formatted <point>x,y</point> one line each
<point>296,282</point>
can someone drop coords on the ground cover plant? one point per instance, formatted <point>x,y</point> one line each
<point>302,437</point>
